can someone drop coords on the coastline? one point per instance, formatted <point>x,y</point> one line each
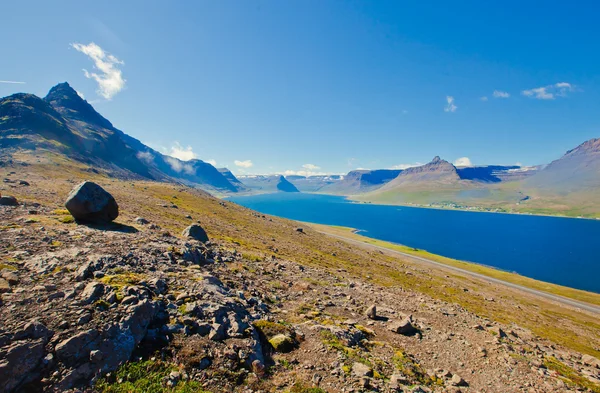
<point>492,273</point>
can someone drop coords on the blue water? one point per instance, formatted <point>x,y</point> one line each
<point>558,250</point>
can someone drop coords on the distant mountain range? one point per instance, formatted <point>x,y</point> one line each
<point>265,184</point>
<point>65,123</point>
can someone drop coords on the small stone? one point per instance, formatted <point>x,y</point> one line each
<point>372,312</point>
<point>361,370</point>
<point>457,380</point>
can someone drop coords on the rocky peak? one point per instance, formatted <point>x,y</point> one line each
<point>68,103</point>
<point>591,146</point>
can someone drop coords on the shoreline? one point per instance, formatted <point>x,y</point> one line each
<point>490,273</point>
<point>349,199</point>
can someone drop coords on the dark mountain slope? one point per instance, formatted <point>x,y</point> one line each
<point>66,123</point>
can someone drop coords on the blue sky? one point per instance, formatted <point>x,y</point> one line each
<point>321,86</point>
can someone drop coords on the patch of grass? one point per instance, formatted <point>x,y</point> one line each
<point>145,377</point>
<point>409,367</point>
<point>121,280</point>
<point>61,212</point>
<point>569,375</point>
<point>7,266</point>
<point>300,387</point>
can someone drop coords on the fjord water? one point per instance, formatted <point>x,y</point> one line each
<point>553,249</point>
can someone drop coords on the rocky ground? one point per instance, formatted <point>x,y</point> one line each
<point>136,306</point>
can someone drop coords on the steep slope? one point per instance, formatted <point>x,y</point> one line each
<point>66,123</point>
<point>232,179</point>
<point>275,183</point>
<point>577,170</point>
<point>360,181</point>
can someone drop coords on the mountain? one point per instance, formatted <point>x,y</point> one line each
<point>361,181</point>
<point>263,183</point>
<point>232,179</point>
<point>437,171</point>
<point>313,183</point>
<point>65,123</point>
<point>577,170</point>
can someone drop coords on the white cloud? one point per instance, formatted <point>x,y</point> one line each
<point>212,162</point>
<point>484,98</point>
<point>80,94</point>
<point>304,173</point>
<point>463,161</point>
<point>311,167</point>
<point>110,79</point>
<point>179,166</point>
<point>500,94</point>
<point>406,166</point>
<point>550,92</point>
<point>13,82</point>
<point>243,164</point>
<point>145,156</point>
<point>450,107</point>
<point>182,153</point>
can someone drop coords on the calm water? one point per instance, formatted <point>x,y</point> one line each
<point>559,250</point>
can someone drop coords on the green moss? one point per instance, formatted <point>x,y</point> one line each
<point>282,343</point>
<point>409,367</point>
<point>121,280</point>
<point>271,329</point>
<point>102,305</point>
<point>145,377</point>
<point>66,219</point>
<point>300,387</point>
<point>6,266</point>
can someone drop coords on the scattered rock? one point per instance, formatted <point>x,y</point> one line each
<point>458,381</point>
<point>361,370</point>
<point>90,202</point>
<point>141,221</point>
<point>404,326</point>
<point>372,312</point>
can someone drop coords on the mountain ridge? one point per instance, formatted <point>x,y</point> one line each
<point>66,123</point>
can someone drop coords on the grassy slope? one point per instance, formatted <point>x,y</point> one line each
<point>259,236</point>
<point>502,197</point>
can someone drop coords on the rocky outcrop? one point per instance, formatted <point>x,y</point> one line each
<point>91,203</point>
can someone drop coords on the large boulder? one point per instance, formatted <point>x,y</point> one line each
<point>8,201</point>
<point>196,232</point>
<point>90,202</point>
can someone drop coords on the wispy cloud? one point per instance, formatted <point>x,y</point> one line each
<point>500,94</point>
<point>406,166</point>
<point>13,82</point>
<point>463,161</point>
<point>550,92</point>
<point>181,153</point>
<point>484,98</point>
<point>243,164</point>
<point>109,78</point>
<point>179,166</point>
<point>212,162</point>
<point>450,107</point>
<point>311,167</point>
